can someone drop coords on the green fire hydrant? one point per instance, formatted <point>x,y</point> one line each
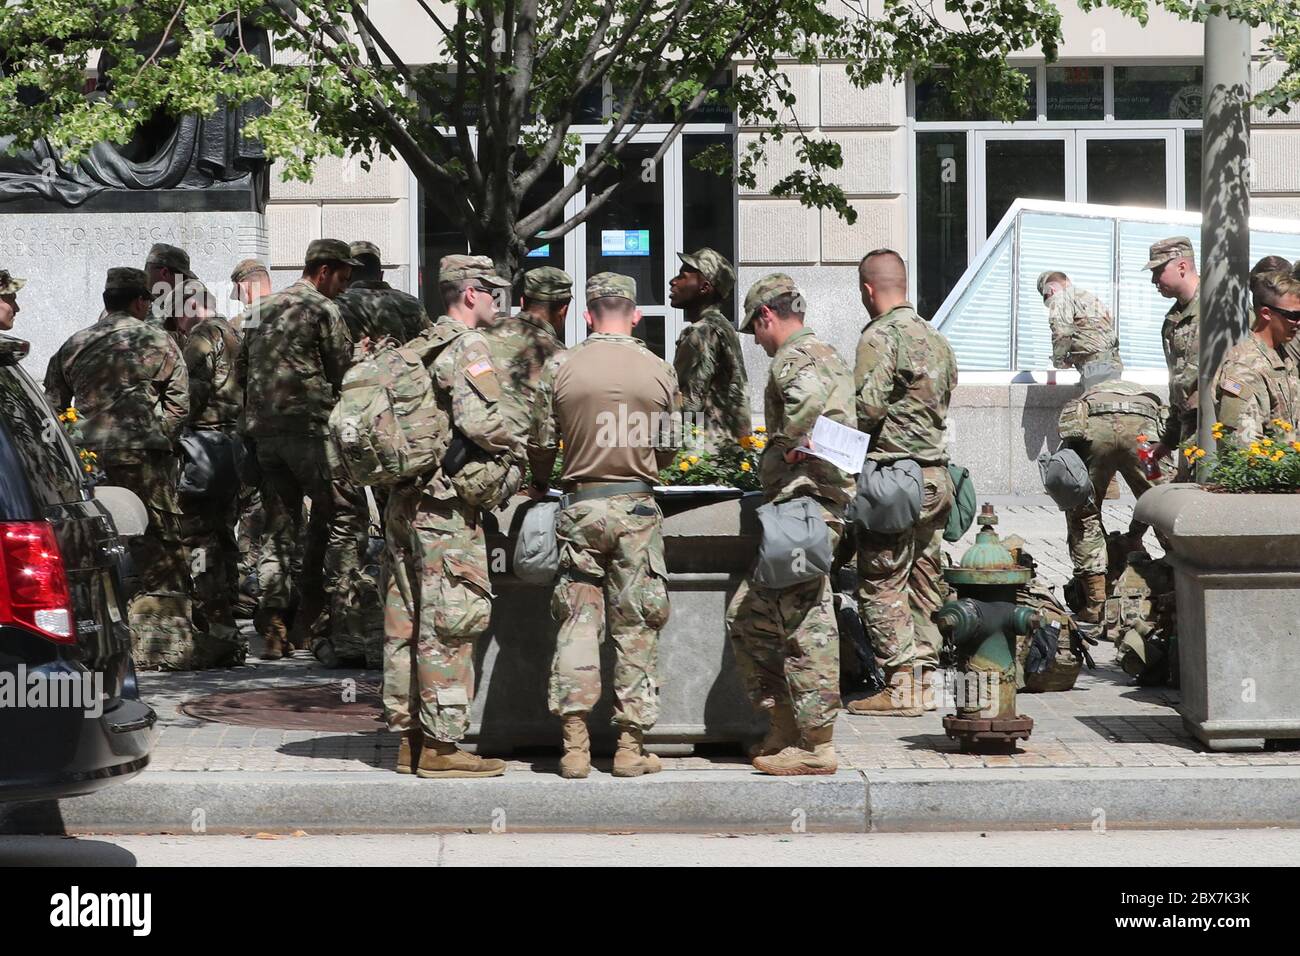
<point>982,625</point>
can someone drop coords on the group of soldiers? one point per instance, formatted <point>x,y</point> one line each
<point>1256,391</point>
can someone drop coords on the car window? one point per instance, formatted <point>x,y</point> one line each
<point>37,439</point>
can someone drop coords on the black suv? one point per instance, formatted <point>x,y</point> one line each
<point>71,718</point>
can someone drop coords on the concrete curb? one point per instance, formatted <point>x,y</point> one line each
<point>685,801</point>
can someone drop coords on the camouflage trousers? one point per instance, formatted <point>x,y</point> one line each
<point>252,530</point>
<point>612,577</point>
<point>160,556</point>
<point>294,468</point>
<point>208,529</point>
<point>900,581</point>
<point>438,602</point>
<point>787,644</point>
<point>1111,447</point>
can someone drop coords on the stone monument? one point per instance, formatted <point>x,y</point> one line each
<point>195,182</point>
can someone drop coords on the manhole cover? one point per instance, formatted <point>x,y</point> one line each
<point>334,707</point>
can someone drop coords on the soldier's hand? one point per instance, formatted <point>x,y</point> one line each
<point>796,455</point>
<point>364,344</point>
<point>1159,450</point>
<point>537,494</point>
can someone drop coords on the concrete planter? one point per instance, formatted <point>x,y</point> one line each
<point>709,545</point>
<point>1236,563</point>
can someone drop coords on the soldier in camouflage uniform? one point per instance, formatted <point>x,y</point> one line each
<point>905,372</point>
<point>9,288</point>
<point>610,530</point>
<point>211,353</point>
<point>131,390</point>
<point>439,598</point>
<point>708,361</point>
<point>787,639</point>
<point>372,308</point>
<point>1257,272</point>
<point>177,291</point>
<point>1173,272</point>
<point>1083,333</point>
<point>296,350</point>
<point>1256,385</point>
<point>251,281</point>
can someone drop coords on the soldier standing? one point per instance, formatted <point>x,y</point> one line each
<point>296,350</point>
<point>251,281</point>
<point>1173,272</point>
<point>372,308</point>
<point>211,353</point>
<point>1256,385</point>
<point>9,288</point>
<point>787,640</point>
<point>905,373</point>
<point>523,344</point>
<point>708,361</point>
<point>439,592</point>
<point>131,390</point>
<point>610,530</point>
<point>1083,332</point>
<point>177,291</point>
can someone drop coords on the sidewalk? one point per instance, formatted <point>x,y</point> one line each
<point>1105,754</point>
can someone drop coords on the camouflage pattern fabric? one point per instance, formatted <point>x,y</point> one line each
<point>373,308</point>
<point>208,530</point>
<point>211,353</point>
<point>604,284</point>
<point>521,345</point>
<point>129,382</point>
<point>807,379</point>
<point>1180,336</point>
<point>1082,330</point>
<point>1110,446</point>
<point>160,557</point>
<point>188,298</point>
<point>438,602</point>
<point>252,528</point>
<point>296,349</point>
<point>1255,385</point>
<point>765,290</point>
<point>612,572</point>
<point>548,284</point>
<point>787,644</point>
<point>905,372</point>
<point>900,581</point>
<point>711,376</point>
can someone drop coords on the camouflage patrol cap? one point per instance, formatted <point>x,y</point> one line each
<point>1045,277</point>
<point>548,284</point>
<point>320,251</point>
<point>9,285</point>
<point>127,279</point>
<point>171,257</point>
<point>1167,250</point>
<point>362,248</point>
<point>604,284</point>
<point>248,268</point>
<point>459,268</point>
<point>713,265</point>
<point>771,286</point>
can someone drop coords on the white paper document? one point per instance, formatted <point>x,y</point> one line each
<point>842,446</point>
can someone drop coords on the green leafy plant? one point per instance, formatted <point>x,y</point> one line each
<point>1269,464</point>
<point>734,466</point>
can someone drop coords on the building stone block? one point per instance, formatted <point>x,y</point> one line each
<point>1276,156</point>
<point>874,163</point>
<point>292,226</point>
<point>881,223</point>
<point>343,178</point>
<point>780,160</point>
<point>777,231</point>
<point>384,224</point>
<point>803,83</point>
<point>1275,207</point>
<point>843,104</point>
<point>1263,76</point>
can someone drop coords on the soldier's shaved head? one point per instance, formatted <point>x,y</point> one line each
<point>882,280</point>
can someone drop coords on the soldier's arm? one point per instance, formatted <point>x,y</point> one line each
<point>57,391</point>
<point>1062,326</point>
<point>1242,404</point>
<point>335,348</point>
<point>174,391</point>
<point>804,393</point>
<point>696,368</point>
<point>544,431</point>
<point>476,399</point>
<point>200,365</point>
<point>671,437</point>
<point>873,371</point>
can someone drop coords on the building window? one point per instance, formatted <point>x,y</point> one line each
<point>941,193</point>
<point>1076,93</point>
<point>1158,93</point>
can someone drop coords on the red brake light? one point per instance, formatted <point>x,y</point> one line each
<point>33,583</point>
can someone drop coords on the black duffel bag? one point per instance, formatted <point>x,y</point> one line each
<point>211,464</point>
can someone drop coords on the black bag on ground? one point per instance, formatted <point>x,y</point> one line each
<point>211,465</point>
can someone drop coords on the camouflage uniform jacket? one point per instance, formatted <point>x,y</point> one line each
<point>521,346</point>
<point>129,382</point>
<point>187,298</point>
<point>807,379</point>
<point>469,393</point>
<point>1082,330</point>
<point>371,307</point>
<point>1255,385</point>
<point>905,373</point>
<point>1180,336</point>
<point>211,352</point>
<point>711,374</point>
<point>296,349</point>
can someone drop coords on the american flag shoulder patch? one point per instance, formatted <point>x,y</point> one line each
<point>481,367</point>
<point>1228,385</point>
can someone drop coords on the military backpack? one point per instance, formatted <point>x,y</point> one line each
<point>1140,620</point>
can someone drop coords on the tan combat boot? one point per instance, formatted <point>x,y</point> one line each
<point>929,691</point>
<point>816,758</point>
<point>901,698</point>
<point>408,750</point>
<point>1094,594</point>
<point>576,762</point>
<point>441,759</point>
<point>782,732</point>
<point>631,760</point>
<point>274,633</point>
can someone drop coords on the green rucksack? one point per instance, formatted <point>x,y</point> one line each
<point>387,425</point>
<point>962,515</point>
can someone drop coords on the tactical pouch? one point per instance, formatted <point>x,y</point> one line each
<point>1065,478</point>
<point>889,496</point>
<point>795,545</point>
<point>211,464</point>
<point>964,503</point>
<point>537,549</point>
<point>1073,423</point>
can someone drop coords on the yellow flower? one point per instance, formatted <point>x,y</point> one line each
<point>1267,443</point>
<point>87,469</point>
<point>695,429</point>
<point>744,466</point>
<point>685,466</point>
<point>1295,446</point>
<point>760,444</point>
<point>694,459</point>
<point>760,429</point>
<point>561,444</point>
<point>1200,453</point>
<point>746,441</point>
<point>72,414</point>
<point>1190,451</point>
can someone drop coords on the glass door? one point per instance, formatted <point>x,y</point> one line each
<point>1119,168</point>
<point>1020,165</point>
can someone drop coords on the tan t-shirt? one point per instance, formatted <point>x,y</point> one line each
<point>613,403</point>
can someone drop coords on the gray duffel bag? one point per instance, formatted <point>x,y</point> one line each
<point>889,496</point>
<point>537,550</point>
<point>796,544</point>
<point>1065,478</point>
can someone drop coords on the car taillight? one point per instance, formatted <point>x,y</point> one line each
<point>33,583</point>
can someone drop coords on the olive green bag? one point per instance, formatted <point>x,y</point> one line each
<point>964,503</point>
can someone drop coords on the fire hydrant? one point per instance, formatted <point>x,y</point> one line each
<point>982,625</point>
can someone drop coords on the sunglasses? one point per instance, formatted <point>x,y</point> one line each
<point>1291,315</point>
